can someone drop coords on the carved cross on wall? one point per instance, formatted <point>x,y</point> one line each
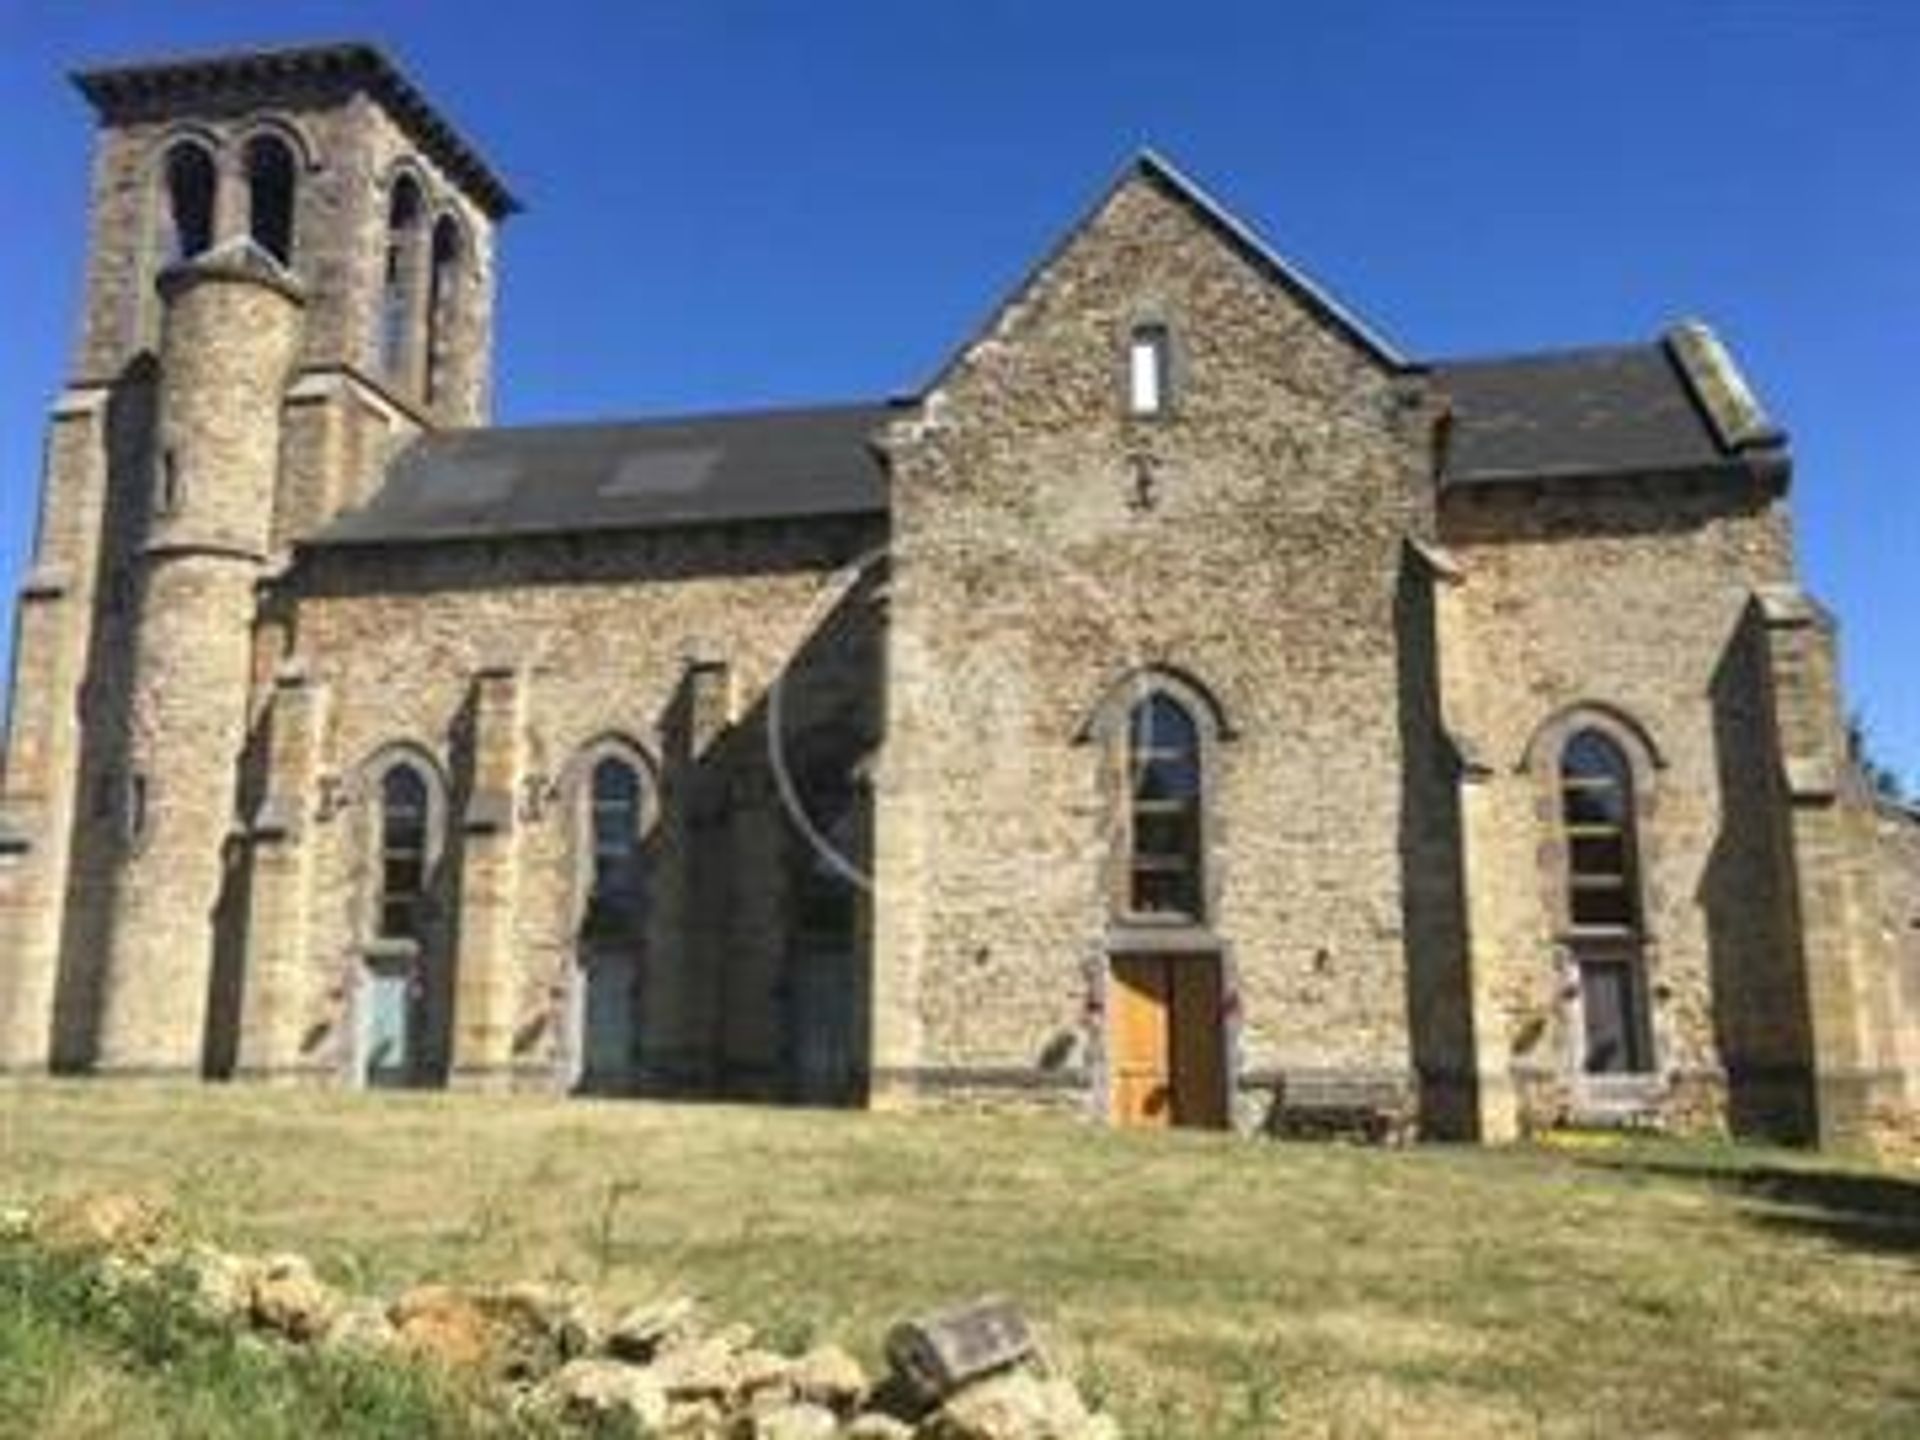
<point>1145,482</point>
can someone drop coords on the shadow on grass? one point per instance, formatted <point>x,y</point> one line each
<point>1870,1212</point>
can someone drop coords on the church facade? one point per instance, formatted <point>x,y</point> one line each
<point>1184,709</point>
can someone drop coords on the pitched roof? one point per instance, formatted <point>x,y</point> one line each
<point>1149,166</point>
<point>120,90</point>
<point>1622,409</point>
<point>626,475</point>
<point>1277,267</point>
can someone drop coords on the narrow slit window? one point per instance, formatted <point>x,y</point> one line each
<point>1149,380</point>
<point>167,498</point>
<point>135,818</point>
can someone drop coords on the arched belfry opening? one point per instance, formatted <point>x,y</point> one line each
<point>406,215</point>
<point>189,182</point>
<point>270,172</point>
<point>443,306</point>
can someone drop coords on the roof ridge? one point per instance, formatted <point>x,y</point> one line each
<point>1151,162</point>
<point>1556,352</point>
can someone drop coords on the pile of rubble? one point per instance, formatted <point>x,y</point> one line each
<point>551,1352</point>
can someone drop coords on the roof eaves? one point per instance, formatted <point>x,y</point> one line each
<point>1730,468</point>
<point>333,539</point>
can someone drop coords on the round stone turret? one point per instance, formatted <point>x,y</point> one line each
<point>231,334</point>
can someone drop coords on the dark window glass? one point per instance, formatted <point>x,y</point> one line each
<point>167,501</point>
<point>136,818</point>
<point>188,213</point>
<point>616,898</point>
<point>403,852</point>
<point>1163,761</point>
<point>270,182</point>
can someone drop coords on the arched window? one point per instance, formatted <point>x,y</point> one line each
<point>405,215</point>
<point>1164,774</point>
<point>270,188</point>
<point>403,852</point>
<point>616,885</point>
<point>188,184</point>
<point>1603,904</point>
<point>1596,804</point>
<point>443,298</point>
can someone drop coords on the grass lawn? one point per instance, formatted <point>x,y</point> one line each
<point>1202,1287</point>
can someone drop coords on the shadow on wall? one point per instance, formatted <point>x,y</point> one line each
<point>1878,1213</point>
<point>220,1050</point>
<point>1432,888</point>
<point>792,1017</point>
<point>1746,895</point>
<point>98,830</point>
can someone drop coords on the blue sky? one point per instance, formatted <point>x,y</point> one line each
<point>737,203</point>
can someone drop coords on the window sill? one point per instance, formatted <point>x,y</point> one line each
<point>390,949</point>
<point>1622,1101</point>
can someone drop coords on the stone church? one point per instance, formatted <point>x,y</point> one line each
<point>1184,709</point>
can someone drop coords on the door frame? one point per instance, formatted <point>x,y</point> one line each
<point>1183,946</point>
<point>1606,1098</point>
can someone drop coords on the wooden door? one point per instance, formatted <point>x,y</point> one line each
<point>1199,1046</point>
<point>1142,1003</point>
<point>1168,1056</point>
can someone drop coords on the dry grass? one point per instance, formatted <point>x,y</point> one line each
<point>1206,1287</point>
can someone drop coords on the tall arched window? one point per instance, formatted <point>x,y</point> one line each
<point>270,195</point>
<point>405,215</point>
<point>1164,772</point>
<point>403,853</point>
<point>1596,802</point>
<point>188,184</point>
<point>614,812</point>
<point>616,886</point>
<point>443,295</point>
<point>1604,905</point>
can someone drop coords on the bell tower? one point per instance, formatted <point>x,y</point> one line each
<point>290,275</point>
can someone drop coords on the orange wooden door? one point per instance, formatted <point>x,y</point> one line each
<point>1169,1060</point>
<point>1142,995</point>
<point>1199,1047</point>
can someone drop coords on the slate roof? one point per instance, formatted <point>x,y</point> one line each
<point>625,475</point>
<point>1626,409</point>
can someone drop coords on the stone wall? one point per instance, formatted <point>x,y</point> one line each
<point>230,340</point>
<point>673,643</point>
<point>1249,544</point>
<point>1624,607</point>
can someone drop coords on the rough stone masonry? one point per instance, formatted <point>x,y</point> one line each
<point>1185,709</point>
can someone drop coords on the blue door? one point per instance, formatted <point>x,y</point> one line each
<point>387,1036</point>
<point>607,1021</point>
